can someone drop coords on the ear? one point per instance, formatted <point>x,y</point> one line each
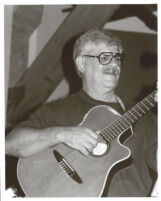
<point>80,64</point>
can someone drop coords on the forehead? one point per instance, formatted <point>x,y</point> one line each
<point>91,48</point>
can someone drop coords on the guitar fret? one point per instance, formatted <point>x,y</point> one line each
<point>121,126</point>
<point>134,116</point>
<point>127,121</point>
<point>105,136</point>
<point>112,132</point>
<point>108,136</point>
<point>130,118</point>
<point>142,110</point>
<point>125,124</point>
<point>116,134</point>
<point>146,106</point>
<point>116,130</point>
<point>150,103</point>
<point>138,113</point>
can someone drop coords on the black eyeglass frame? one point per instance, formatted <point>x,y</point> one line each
<point>113,55</point>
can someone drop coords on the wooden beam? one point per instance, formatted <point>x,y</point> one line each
<point>142,11</point>
<point>46,71</point>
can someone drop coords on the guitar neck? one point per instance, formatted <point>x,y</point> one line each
<point>128,118</point>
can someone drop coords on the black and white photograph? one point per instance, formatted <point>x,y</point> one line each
<point>81,100</point>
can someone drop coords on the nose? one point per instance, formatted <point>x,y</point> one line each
<point>113,65</point>
<point>113,61</point>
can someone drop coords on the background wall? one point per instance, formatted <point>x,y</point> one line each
<point>139,74</point>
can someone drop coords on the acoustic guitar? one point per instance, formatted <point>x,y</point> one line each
<point>61,171</point>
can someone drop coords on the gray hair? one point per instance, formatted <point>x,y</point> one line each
<point>96,37</point>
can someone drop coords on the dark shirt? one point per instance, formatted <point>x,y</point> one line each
<point>135,179</point>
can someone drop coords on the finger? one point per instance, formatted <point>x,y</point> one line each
<point>88,146</point>
<point>92,134</point>
<point>84,151</point>
<point>93,141</point>
<point>90,139</point>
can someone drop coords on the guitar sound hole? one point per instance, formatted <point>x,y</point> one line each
<point>101,149</point>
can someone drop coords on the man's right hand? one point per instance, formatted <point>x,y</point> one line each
<point>78,137</point>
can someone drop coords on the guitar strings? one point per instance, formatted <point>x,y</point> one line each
<point>75,153</point>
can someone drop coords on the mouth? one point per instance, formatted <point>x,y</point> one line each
<point>106,72</point>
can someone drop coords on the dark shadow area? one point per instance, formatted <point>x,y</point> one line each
<point>69,70</point>
<point>148,60</point>
<point>145,91</point>
<point>154,177</point>
<point>11,176</point>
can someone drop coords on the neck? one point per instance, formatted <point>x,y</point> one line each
<point>106,95</point>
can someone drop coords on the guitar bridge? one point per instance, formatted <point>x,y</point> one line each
<point>67,167</point>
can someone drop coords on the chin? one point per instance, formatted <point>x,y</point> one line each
<point>112,82</point>
<point>111,85</point>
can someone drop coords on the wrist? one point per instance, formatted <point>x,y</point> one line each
<point>58,134</point>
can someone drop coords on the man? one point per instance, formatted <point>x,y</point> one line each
<point>98,59</point>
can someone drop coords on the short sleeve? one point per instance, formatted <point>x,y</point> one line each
<point>41,118</point>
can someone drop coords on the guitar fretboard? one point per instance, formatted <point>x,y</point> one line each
<point>127,119</point>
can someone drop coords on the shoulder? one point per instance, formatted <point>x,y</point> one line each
<point>63,106</point>
<point>52,112</point>
<point>65,102</point>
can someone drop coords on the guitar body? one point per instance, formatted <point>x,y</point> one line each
<point>42,175</point>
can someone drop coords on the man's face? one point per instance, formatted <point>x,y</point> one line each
<point>99,75</point>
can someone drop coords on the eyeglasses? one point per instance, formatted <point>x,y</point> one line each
<point>106,57</point>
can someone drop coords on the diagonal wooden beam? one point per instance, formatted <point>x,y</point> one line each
<point>46,71</point>
<point>144,12</point>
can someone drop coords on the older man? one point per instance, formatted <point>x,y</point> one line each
<point>98,58</point>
